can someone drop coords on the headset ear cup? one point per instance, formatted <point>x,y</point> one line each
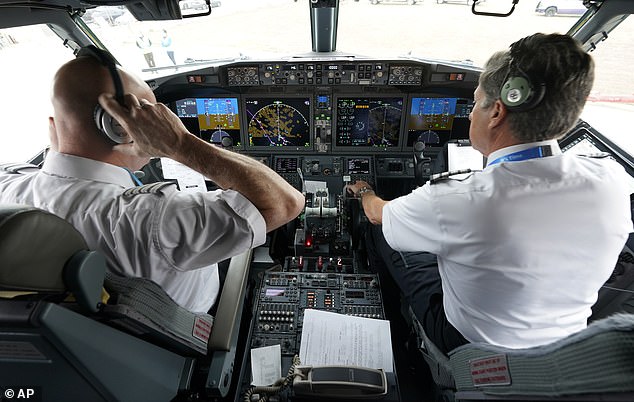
<point>515,92</point>
<point>109,127</point>
<point>519,94</point>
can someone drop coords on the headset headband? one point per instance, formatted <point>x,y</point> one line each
<point>107,60</point>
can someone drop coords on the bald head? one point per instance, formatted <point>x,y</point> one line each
<point>76,88</point>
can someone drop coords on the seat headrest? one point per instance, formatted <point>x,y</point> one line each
<point>35,245</point>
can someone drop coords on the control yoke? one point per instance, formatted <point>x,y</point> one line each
<point>421,163</point>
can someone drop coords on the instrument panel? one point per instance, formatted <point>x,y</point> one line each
<point>313,123</point>
<point>324,106</point>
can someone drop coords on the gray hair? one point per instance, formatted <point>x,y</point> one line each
<point>562,65</point>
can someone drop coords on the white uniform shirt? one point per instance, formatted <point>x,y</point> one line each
<point>172,237</point>
<point>523,247</point>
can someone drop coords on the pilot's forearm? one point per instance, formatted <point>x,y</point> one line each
<point>277,201</point>
<point>373,207</point>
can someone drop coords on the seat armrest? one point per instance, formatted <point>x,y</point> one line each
<point>231,302</point>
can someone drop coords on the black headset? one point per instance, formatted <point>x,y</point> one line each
<point>519,92</point>
<point>106,124</point>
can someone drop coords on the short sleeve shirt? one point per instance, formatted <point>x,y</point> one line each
<point>174,238</point>
<point>522,247</point>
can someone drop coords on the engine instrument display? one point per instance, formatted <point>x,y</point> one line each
<point>435,121</point>
<point>216,120</point>
<point>274,122</point>
<point>359,166</point>
<point>368,122</point>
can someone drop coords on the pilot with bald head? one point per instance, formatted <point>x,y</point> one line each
<point>172,237</point>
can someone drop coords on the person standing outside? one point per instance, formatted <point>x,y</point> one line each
<point>144,43</point>
<point>166,42</point>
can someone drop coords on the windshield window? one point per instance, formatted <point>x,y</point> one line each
<point>430,29</point>
<point>29,58</point>
<point>261,29</point>
<point>610,108</point>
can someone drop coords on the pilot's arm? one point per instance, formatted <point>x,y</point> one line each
<point>156,131</point>
<point>372,204</point>
<point>410,222</point>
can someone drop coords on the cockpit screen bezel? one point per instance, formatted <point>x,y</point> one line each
<point>337,145</point>
<point>303,101</point>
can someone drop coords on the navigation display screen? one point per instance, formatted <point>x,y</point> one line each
<point>216,120</point>
<point>274,122</point>
<point>369,122</point>
<point>435,121</point>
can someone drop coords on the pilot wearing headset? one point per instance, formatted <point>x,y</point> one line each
<point>107,123</point>
<point>513,255</point>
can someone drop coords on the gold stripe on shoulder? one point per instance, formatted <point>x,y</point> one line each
<point>152,188</point>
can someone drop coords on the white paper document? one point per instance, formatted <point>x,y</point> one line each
<point>188,179</point>
<point>463,157</point>
<point>266,365</point>
<point>337,339</point>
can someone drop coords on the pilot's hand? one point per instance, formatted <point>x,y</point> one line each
<point>155,130</point>
<point>355,187</point>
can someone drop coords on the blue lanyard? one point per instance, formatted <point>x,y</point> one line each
<point>134,178</point>
<point>531,153</point>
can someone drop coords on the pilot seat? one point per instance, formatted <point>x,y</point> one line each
<point>69,331</point>
<point>595,364</point>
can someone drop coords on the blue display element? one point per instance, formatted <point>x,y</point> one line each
<point>433,106</point>
<point>217,106</point>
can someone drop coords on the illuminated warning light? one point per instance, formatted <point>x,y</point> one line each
<point>194,79</point>
<point>309,242</point>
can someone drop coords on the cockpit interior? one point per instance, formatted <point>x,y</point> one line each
<point>320,118</point>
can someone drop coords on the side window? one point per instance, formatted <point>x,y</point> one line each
<point>29,57</point>
<point>610,107</point>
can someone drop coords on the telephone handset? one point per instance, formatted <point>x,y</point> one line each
<point>340,382</point>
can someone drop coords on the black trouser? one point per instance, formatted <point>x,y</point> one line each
<point>416,276</point>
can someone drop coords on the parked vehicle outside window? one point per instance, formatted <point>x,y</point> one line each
<point>551,8</point>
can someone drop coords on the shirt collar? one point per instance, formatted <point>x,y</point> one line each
<point>66,165</point>
<point>554,146</point>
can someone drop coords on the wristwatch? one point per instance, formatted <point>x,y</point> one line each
<point>363,190</point>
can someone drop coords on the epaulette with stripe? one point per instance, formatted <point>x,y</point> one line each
<point>438,177</point>
<point>598,155</point>
<point>152,188</point>
<point>17,168</point>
